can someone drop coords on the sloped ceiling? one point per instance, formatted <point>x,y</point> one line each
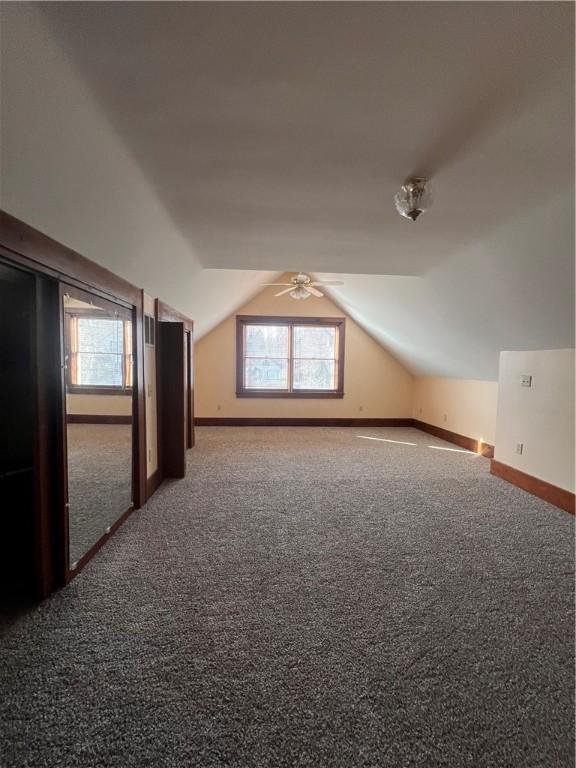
<point>275,135</point>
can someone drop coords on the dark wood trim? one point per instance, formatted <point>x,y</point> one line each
<point>173,397</point>
<point>40,253</point>
<point>75,389</point>
<point>311,394</point>
<point>468,443</point>
<point>72,573</point>
<point>140,469</point>
<point>153,483</point>
<point>300,394</point>
<point>209,421</point>
<point>167,314</point>
<point>159,394</point>
<point>63,522</point>
<point>189,345</point>
<point>88,418</point>
<point>49,457</point>
<point>288,320</point>
<point>559,497</point>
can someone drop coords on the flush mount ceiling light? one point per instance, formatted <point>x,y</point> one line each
<point>413,197</point>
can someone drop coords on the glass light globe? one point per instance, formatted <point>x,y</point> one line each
<point>413,198</point>
<point>299,293</point>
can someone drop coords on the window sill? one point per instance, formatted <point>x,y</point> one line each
<point>76,390</point>
<point>301,394</point>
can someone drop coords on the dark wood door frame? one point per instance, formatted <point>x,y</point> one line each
<point>189,357</point>
<point>167,314</point>
<point>173,398</point>
<point>175,388</point>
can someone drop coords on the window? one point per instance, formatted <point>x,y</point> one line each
<point>100,354</point>
<point>289,357</point>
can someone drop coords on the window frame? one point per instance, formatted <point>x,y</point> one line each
<point>91,389</point>
<point>333,322</point>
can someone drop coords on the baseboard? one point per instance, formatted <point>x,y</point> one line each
<point>153,483</point>
<point>469,443</point>
<point>444,434</point>
<point>550,493</point>
<point>88,418</point>
<point>210,421</point>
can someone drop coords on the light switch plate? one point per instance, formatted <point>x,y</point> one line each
<point>525,380</point>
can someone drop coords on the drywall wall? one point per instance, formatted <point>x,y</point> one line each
<point>465,406</point>
<point>64,170</point>
<point>376,385</point>
<point>99,405</point>
<point>291,161</point>
<point>151,398</point>
<point>67,172</point>
<point>541,416</point>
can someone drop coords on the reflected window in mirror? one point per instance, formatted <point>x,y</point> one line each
<point>100,354</point>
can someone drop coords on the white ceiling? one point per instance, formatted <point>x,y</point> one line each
<point>275,135</point>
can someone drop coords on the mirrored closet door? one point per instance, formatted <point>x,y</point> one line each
<point>98,353</point>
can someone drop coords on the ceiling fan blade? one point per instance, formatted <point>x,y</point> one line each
<point>275,283</point>
<point>287,290</point>
<point>313,291</point>
<point>327,282</point>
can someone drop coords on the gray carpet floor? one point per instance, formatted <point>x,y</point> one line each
<point>308,597</point>
<point>99,481</point>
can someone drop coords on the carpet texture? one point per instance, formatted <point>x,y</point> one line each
<point>308,597</point>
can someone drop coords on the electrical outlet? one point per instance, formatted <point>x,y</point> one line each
<point>445,417</point>
<point>420,411</point>
<point>520,448</point>
<point>525,380</point>
<point>218,407</point>
<point>361,408</point>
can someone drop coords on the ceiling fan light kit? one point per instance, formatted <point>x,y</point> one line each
<point>300,293</point>
<point>413,197</point>
<point>301,286</point>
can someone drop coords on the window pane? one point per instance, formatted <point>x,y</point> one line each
<point>100,335</point>
<point>97,370</point>
<point>265,373</point>
<point>314,374</point>
<point>266,341</point>
<point>317,342</point>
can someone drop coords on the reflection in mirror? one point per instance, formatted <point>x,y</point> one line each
<point>98,373</point>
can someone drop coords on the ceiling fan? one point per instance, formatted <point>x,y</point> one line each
<point>301,286</point>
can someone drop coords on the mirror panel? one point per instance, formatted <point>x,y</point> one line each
<point>99,365</point>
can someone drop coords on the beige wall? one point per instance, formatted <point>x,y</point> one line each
<point>541,416</point>
<point>151,404</point>
<point>99,405</point>
<point>376,385</point>
<point>465,406</point>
